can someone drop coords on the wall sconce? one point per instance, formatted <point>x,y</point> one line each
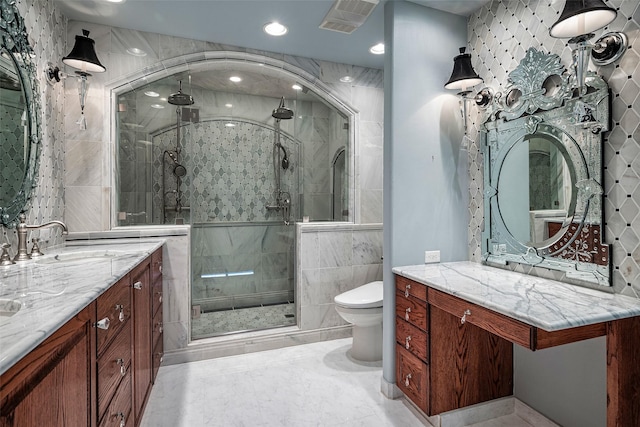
<point>84,59</point>
<point>462,78</point>
<point>577,22</point>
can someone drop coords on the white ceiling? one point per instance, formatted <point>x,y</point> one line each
<point>240,22</point>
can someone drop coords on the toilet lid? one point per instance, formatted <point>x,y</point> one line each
<point>365,296</point>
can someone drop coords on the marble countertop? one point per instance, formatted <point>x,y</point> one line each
<point>52,290</point>
<point>546,304</point>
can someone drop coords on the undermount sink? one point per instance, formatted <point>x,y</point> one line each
<point>81,256</point>
<point>8,307</point>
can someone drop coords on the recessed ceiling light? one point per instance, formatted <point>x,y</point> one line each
<point>230,125</point>
<point>377,49</point>
<point>163,99</point>
<point>152,94</point>
<point>275,29</point>
<point>158,106</point>
<point>346,79</point>
<point>228,105</point>
<point>296,87</point>
<point>136,52</point>
<point>116,1</point>
<point>235,79</point>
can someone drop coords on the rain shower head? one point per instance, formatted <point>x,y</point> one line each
<point>180,98</point>
<point>282,112</point>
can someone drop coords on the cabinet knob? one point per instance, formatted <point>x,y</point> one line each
<point>406,380</point>
<point>407,340</point>
<point>406,313</point>
<point>103,324</point>
<point>120,308</point>
<point>137,286</point>
<point>406,290</point>
<point>464,316</point>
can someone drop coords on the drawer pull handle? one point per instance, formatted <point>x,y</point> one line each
<point>406,290</point>
<point>406,380</point>
<point>103,324</point>
<point>406,313</point>
<point>159,327</point>
<point>407,340</point>
<point>160,268</point>
<point>120,308</point>
<point>137,286</point>
<point>464,316</point>
<point>123,419</point>
<point>159,296</point>
<point>161,357</point>
<point>123,370</point>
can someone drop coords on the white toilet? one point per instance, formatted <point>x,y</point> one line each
<point>362,307</point>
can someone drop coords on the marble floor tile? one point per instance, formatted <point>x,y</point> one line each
<point>314,384</point>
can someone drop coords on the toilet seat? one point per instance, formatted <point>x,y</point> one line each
<point>365,296</point>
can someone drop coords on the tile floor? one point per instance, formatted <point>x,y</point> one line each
<point>308,385</point>
<point>243,319</point>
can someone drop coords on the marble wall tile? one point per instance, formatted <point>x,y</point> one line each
<point>321,285</point>
<point>372,102</point>
<point>367,247</point>
<point>81,204</point>
<point>335,249</point>
<point>370,206</point>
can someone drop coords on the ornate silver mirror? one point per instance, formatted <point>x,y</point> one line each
<point>542,146</point>
<point>19,112</point>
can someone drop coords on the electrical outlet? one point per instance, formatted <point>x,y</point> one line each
<point>431,257</point>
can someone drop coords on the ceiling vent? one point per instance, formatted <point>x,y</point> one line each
<point>345,16</point>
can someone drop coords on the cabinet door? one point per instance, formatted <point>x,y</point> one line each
<point>141,345</point>
<point>52,385</point>
<point>468,365</point>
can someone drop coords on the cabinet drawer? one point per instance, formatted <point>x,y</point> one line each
<point>120,408</point>
<point>115,305</point>
<point>410,288</point>
<point>158,328</point>
<point>412,339</point>
<point>496,323</point>
<point>156,280</point>
<point>158,353</point>
<point>412,376</point>
<point>412,310</point>
<point>113,365</point>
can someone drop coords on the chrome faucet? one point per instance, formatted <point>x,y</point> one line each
<point>22,228</point>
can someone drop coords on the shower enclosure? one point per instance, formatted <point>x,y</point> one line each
<point>240,165</point>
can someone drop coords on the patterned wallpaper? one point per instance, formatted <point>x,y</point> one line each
<point>47,32</point>
<point>499,34</point>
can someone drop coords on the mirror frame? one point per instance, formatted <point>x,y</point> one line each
<point>14,39</point>
<point>573,119</point>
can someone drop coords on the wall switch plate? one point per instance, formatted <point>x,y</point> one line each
<point>431,257</point>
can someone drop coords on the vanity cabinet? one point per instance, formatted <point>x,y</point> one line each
<point>97,369</point>
<point>444,361</point>
<point>54,383</point>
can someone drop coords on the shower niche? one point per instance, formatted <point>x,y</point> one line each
<point>240,162</point>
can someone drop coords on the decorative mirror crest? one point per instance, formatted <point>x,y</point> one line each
<point>550,216</point>
<point>20,105</point>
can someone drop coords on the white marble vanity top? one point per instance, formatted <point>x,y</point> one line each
<point>544,303</point>
<point>53,290</point>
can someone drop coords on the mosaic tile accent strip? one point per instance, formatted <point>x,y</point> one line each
<point>499,34</point>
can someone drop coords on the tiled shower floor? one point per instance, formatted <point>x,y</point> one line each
<point>243,319</point>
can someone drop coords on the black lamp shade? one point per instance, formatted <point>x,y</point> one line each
<point>83,55</point>
<point>582,17</point>
<point>463,75</point>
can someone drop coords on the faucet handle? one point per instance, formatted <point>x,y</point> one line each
<point>5,259</point>
<point>35,249</point>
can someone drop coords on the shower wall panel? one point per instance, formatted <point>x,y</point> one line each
<point>243,265</point>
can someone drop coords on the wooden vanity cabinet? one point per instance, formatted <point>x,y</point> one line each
<point>98,368</point>
<point>53,384</point>
<point>444,362</point>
